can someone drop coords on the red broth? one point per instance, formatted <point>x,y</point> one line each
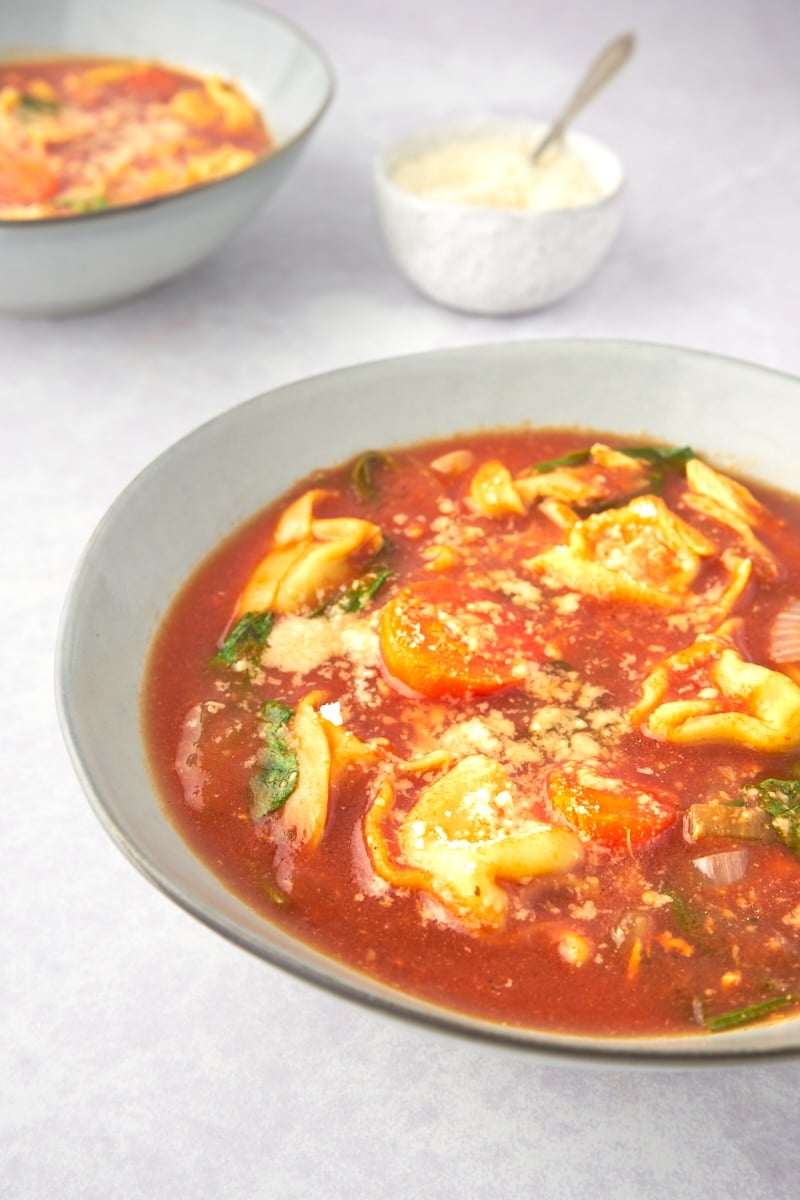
<point>493,731</point>
<point>78,135</point>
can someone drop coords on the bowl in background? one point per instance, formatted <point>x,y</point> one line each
<point>168,521</point>
<point>492,260</point>
<point>58,265</point>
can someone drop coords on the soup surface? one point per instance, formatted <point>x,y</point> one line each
<point>78,135</point>
<point>510,721</point>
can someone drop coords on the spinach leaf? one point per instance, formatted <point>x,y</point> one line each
<point>357,595</point>
<point>246,640</point>
<point>685,913</point>
<point>274,783</point>
<point>35,105</point>
<point>780,798</point>
<point>661,456</point>
<point>575,458</point>
<point>85,204</point>
<point>745,1016</point>
<point>362,474</point>
<point>661,459</point>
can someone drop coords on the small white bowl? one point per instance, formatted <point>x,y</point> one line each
<point>66,265</point>
<point>497,261</point>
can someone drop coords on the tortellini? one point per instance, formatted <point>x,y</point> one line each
<point>324,749</point>
<point>729,502</point>
<point>464,833</point>
<point>721,697</point>
<point>309,558</point>
<point>640,552</point>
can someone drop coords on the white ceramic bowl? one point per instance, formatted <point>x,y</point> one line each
<point>490,260</point>
<point>167,521</point>
<point>67,265</point>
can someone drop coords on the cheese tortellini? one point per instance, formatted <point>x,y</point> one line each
<point>309,557</point>
<point>465,833</point>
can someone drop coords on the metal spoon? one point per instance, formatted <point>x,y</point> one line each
<point>602,69</point>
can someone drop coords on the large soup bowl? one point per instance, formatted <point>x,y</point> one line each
<point>197,492</point>
<point>61,265</point>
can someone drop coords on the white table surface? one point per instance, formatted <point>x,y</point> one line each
<point>142,1055</point>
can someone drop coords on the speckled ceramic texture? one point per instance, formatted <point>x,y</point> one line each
<point>69,265</point>
<point>495,261</point>
<point>169,519</point>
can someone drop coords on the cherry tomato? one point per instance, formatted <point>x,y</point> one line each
<point>25,180</point>
<point>443,638</point>
<point>608,811</point>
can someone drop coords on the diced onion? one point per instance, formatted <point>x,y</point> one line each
<point>454,463</point>
<point>188,758</point>
<point>784,641</point>
<point>726,867</point>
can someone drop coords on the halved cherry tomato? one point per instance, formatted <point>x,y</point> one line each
<point>25,180</point>
<point>609,811</point>
<point>443,638</point>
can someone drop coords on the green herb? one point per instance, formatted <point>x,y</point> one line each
<point>83,204</point>
<point>745,1016</point>
<point>657,456</point>
<point>780,798</point>
<point>661,460</point>
<point>586,510</point>
<point>358,595</point>
<point>661,456</point>
<point>246,640</point>
<point>274,712</point>
<point>362,474</point>
<point>36,106</point>
<point>274,783</point>
<point>575,458</point>
<point>685,914</point>
<point>559,665</point>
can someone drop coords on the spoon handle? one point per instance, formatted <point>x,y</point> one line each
<point>602,69</point>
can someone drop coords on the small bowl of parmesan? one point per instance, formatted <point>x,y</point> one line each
<point>475,224</point>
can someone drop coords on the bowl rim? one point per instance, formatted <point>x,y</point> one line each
<point>170,198</point>
<point>472,126</point>
<point>695,1051</point>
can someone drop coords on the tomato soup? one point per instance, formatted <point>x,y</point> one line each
<point>510,721</point>
<point>79,135</point>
